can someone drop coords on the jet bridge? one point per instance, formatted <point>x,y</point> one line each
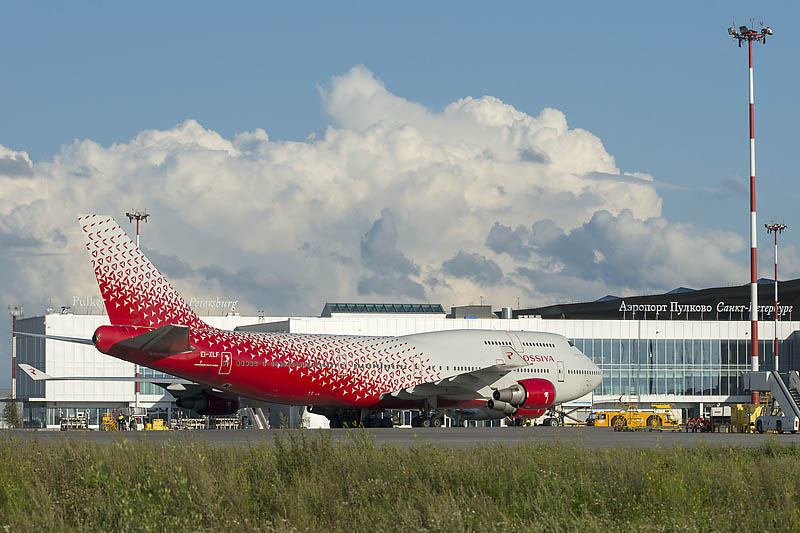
<point>788,397</point>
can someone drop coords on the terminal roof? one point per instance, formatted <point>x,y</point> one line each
<point>381,308</point>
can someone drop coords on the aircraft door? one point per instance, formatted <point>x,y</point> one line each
<point>515,342</point>
<point>225,363</point>
<point>416,365</point>
<point>560,365</point>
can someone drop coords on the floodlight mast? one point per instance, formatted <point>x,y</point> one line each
<point>748,34</point>
<point>775,229</point>
<point>137,216</point>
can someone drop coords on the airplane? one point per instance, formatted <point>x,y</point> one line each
<point>350,379</point>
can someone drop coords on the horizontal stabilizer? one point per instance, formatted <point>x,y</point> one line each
<point>34,373</point>
<point>55,338</point>
<point>166,340</point>
<point>37,375</point>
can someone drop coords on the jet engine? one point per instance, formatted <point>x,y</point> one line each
<point>528,394</point>
<point>210,403</point>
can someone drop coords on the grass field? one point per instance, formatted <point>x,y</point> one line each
<point>310,483</point>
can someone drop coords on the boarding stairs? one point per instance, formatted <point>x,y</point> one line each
<point>787,396</point>
<point>257,418</point>
<point>794,386</point>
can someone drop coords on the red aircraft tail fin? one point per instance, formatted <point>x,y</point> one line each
<point>134,292</point>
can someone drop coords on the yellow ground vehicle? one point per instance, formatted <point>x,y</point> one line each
<point>660,417</point>
<point>156,425</point>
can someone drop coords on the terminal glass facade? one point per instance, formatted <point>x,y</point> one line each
<point>680,367</point>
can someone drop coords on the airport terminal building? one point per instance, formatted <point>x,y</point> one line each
<point>688,348</point>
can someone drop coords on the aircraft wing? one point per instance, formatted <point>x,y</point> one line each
<point>464,386</point>
<point>167,382</point>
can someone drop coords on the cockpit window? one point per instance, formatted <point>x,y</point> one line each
<point>571,343</point>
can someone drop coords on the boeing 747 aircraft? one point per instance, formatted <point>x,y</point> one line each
<point>474,374</point>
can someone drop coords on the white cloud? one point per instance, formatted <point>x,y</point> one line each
<point>285,226</point>
<point>14,164</point>
<point>622,255</point>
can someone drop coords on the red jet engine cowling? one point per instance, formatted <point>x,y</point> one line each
<point>533,394</point>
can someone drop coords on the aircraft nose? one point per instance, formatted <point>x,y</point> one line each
<point>597,376</point>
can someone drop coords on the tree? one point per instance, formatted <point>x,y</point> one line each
<point>11,414</point>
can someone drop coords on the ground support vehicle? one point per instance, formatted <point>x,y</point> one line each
<point>721,418</point>
<point>699,425</point>
<point>777,422</point>
<point>80,421</point>
<point>156,425</point>
<point>780,393</point>
<point>228,422</point>
<point>743,417</point>
<point>632,419</point>
<point>190,423</point>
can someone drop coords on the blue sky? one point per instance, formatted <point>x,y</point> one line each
<point>661,86</point>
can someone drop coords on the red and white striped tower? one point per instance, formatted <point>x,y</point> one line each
<point>748,34</point>
<point>15,312</point>
<point>137,216</point>
<point>776,228</point>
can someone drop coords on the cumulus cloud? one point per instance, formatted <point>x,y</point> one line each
<point>475,267</point>
<point>392,201</point>
<point>620,253</point>
<point>15,164</point>
<point>514,242</point>
<point>391,269</point>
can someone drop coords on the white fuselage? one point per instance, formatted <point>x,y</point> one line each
<point>549,356</point>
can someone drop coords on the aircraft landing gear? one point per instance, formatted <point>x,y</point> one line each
<point>433,419</point>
